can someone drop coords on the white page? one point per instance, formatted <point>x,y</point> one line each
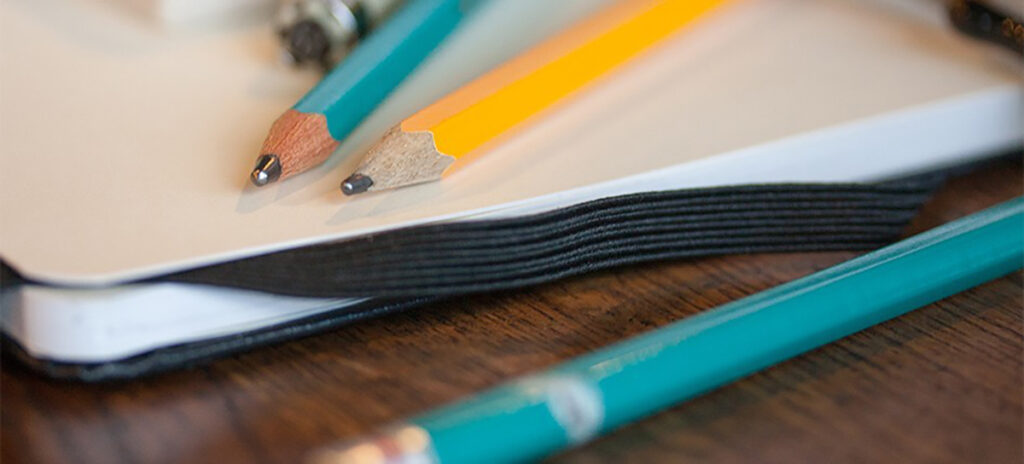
<point>96,325</point>
<point>197,14</point>
<point>83,206</point>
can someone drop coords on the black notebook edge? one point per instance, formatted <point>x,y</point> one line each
<point>200,352</point>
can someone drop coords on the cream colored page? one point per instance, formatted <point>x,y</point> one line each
<point>125,152</point>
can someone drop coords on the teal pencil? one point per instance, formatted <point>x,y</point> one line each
<point>576,401</point>
<point>305,135</point>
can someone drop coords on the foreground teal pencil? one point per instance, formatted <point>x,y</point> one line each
<point>541,414</point>
<point>308,133</point>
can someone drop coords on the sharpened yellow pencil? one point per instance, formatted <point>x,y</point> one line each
<point>424,146</point>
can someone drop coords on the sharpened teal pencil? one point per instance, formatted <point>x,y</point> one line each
<point>532,417</point>
<point>307,134</point>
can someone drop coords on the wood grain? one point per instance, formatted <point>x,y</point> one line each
<point>403,158</point>
<point>941,384</point>
<point>300,140</point>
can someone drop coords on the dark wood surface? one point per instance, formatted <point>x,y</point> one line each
<point>941,384</point>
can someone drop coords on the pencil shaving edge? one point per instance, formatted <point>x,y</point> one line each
<point>403,158</point>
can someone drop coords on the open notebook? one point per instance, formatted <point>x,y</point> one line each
<point>763,91</point>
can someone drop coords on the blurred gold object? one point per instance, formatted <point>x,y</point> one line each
<point>403,444</point>
<point>323,32</point>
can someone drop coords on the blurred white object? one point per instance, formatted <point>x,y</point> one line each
<point>201,12</point>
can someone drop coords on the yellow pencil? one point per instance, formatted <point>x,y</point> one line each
<point>468,121</point>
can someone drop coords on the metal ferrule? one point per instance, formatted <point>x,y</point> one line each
<point>323,32</point>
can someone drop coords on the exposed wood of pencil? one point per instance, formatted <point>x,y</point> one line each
<point>300,141</point>
<point>403,158</point>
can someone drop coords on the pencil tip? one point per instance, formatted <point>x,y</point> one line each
<point>356,183</point>
<point>267,170</point>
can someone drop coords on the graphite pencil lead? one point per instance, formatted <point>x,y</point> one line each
<point>356,183</point>
<point>267,170</point>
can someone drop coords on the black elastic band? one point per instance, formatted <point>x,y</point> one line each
<point>473,256</point>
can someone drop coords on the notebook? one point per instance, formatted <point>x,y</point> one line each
<point>761,92</point>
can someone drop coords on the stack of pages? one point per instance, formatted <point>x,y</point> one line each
<point>126,151</point>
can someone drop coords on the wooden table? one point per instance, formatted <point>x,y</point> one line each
<point>941,384</point>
